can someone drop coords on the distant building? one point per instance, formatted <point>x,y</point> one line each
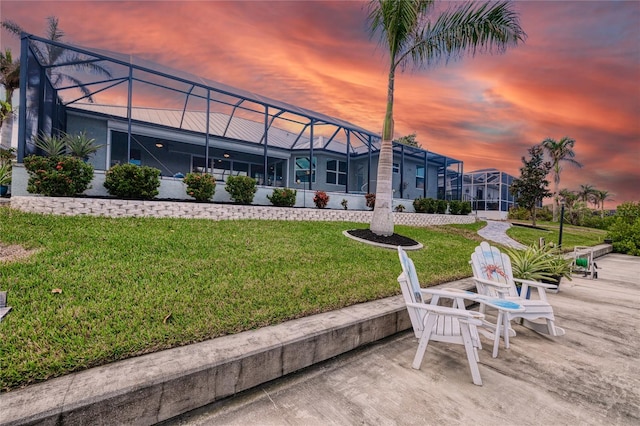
<point>488,191</point>
<point>147,114</point>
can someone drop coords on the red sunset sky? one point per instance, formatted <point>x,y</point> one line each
<point>577,75</point>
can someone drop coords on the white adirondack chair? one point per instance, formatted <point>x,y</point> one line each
<point>494,278</point>
<point>439,323</point>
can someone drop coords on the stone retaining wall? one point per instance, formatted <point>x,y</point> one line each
<point>136,208</point>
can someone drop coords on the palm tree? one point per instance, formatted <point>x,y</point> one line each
<point>559,152</point>
<point>570,198</point>
<point>601,197</point>
<point>10,80</point>
<point>408,34</point>
<point>587,193</point>
<point>54,55</point>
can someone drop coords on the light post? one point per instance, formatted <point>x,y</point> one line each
<point>308,172</point>
<point>561,223</point>
<point>304,195</point>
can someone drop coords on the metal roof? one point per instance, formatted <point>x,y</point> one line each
<point>220,124</point>
<point>126,70</point>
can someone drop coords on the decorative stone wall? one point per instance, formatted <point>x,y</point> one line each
<point>190,210</point>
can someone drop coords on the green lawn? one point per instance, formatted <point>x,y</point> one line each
<point>571,235</point>
<point>137,285</point>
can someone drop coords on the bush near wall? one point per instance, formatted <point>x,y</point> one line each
<point>431,205</point>
<point>57,176</point>
<point>283,197</point>
<point>321,199</point>
<point>200,186</point>
<point>370,200</point>
<point>459,207</point>
<point>132,182</point>
<point>241,189</point>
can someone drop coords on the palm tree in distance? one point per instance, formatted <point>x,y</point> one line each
<point>601,197</point>
<point>411,37</point>
<point>587,193</point>
<point>559,152</point>
<point>54,55</point>
<point>569,197</point>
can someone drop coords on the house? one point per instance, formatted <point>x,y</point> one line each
<point>147,114</point>
<point>488,191</point>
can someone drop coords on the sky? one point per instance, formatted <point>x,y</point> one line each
<point>576,75</point>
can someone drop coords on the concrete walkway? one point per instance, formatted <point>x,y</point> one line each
<point>590,376</point>
<point>497,232</point>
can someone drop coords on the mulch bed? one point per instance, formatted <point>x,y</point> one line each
<point>392,240</point>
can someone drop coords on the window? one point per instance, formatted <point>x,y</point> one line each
<point>396,167</point>
<point>240,169</point>
<point>302,169</point>
<point>420,177</point>
<point>221,169</point>
<point>336,172</point>
<point>198,165</point>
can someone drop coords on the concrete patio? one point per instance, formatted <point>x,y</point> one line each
<point>590,376</point>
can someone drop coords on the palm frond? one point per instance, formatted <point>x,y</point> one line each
<point>396,22</point>
<point>490,27</point>
<point>12,27</point>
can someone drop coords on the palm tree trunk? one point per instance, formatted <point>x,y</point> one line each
<point>6,130</point>
<point>382,220</point>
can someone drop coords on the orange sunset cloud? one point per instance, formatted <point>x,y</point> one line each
<point>577,74</point>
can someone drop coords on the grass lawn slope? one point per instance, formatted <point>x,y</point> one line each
<point>98,290</point>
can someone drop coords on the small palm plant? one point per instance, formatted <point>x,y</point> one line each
<point>5,174</point>
<point>543,264</point>
<point>77,145</point>
<point>80,145</point>
<point>52,146</point>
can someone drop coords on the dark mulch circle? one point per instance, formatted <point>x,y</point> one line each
<point>392,240</point>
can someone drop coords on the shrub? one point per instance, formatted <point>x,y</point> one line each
<point>131,181</point>
<point>459,207</point>
<point>625,230</point>
<point>321,199</point>
<point>424,205</point>
<point>544,214</point>
<point>344,203</point>
<point>242,189</point>
<point>400,208</point>
<point>455,207</point>
<point>370,200</point>
<point>420,205</point>
<point>466,207</point>
<point>283,197</point>
<point>595,221</point>
<point>57,176</point>
<point>519,213</point>
<point>441,206</point>
<point>200,186</point>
